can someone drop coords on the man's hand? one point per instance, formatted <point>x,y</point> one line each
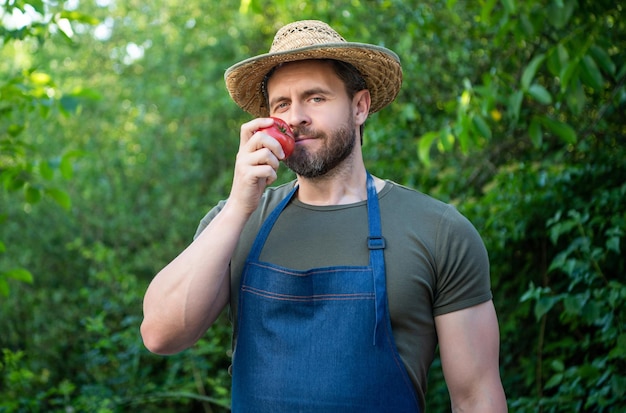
<point>257,161</point>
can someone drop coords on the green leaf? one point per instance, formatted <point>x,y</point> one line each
<point>463,132</point>
<point>560,12</point>
<point>485,12</point>
<point>557,59</point>
<point>4,287</point>
<point>66,167</point>
<point>562,130</point>
<point>612,244</point>
<point>32,195</point>
<point>569,72</point>
<point>535,133</point>
<point>481,126</point>
<point>603,59</point>
<point>531,70</point>
<point>446,140</point>
<point>576,98</point>
<point>543,305</point>
<point>45,170</point>
<point>424,145</point>
<point>60,197</point>
<point>509,6</point>
<point>622,73</point>
<point>38,6</point>
<point>450,4</point>
<point>540,94</point>
<point>19,274</point>
<point>590,74</point>
<point>79,17</point>
<point>554,381</point>
<point>557,365</point>
<point>573,304</point>
<point>515,104</point>
<point>619,351</point>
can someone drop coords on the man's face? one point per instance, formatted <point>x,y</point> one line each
<point>312,99</point>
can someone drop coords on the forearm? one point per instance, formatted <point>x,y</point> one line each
<point>187,295</point>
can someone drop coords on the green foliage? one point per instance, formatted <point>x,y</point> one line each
<point>117,134</point>
<point>28,91</point>
<point>565,239</point>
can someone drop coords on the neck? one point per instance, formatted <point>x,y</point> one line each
<point>346,184</point>
<point>338,189</point>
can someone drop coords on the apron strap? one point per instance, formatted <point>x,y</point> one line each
<point>376,245</point>
<point>264,231</point>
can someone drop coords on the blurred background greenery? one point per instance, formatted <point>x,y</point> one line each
<point>117,135</point>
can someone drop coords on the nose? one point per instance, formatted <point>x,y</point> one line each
<point>298,116</point>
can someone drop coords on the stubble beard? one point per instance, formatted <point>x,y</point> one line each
<point>336,149</point>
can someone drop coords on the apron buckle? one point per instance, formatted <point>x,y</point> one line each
<point>375,242</point>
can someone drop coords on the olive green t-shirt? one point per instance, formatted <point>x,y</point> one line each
<point>436,262</point>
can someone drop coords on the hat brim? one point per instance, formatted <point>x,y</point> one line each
<point>379,66</point>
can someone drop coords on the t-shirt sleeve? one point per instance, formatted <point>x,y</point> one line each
<point>462,265</point>
<point>204,222</point>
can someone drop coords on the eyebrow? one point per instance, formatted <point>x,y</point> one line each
<point>307,93</point>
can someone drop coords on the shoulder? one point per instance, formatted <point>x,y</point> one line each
<point>410,202</point>
<point>438,225</point>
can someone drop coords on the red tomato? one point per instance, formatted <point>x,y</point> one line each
<point>283,134</point>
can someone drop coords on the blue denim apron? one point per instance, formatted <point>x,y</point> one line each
<point>318,340</point>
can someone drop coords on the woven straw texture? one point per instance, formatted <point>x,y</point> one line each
<point>312,39</point>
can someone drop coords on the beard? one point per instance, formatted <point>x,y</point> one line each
<point>336,148</point>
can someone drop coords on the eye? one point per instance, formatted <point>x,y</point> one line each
<point>281,106</point>
<point>317,99</point>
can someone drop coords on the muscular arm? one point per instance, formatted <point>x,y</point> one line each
<point>186,296</point>
<point>469,346</point>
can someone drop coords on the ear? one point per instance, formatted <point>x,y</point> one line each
<point>361,106</point>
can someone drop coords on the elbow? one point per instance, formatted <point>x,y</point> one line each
<point>156,341</point>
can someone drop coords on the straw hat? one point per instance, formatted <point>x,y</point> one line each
<point>312,39</point>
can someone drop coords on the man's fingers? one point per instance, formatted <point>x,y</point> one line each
<point>248,129</point>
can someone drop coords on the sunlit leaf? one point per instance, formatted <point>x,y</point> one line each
<point>40,78</point>
<point>79,17</point>
<point>424,145</point>
<point>66,167</point>
<point>45,170</point>
<point>540,94</point>
<point>60,197</point>
<point>19,274</point>
<point>486,10</point>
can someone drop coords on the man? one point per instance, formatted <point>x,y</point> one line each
<point>340,284</point>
